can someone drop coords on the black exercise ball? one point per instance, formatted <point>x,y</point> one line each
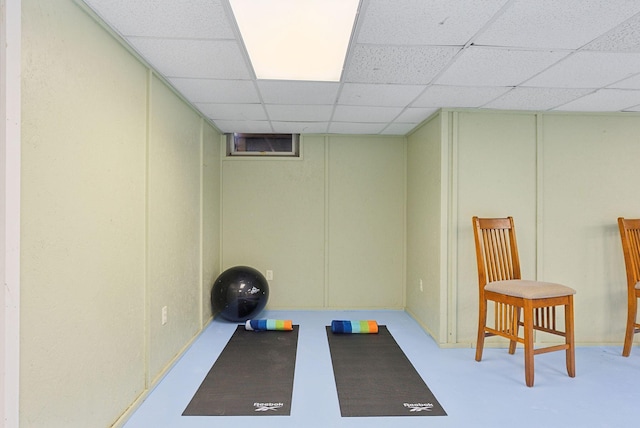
<point>239,293</point>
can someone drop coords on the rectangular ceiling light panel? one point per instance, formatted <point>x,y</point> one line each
<point>296,39</point>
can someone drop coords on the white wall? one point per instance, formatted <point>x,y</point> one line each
<point>10,30</point>
<point>113,211</point>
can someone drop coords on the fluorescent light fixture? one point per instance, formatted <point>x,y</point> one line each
<point>296,39</point>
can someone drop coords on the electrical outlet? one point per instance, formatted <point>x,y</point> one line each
<point>164,315</point>
<point>269,275</point>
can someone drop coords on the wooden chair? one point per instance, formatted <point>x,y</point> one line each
<point>630,236</point>
<point>500,282</point>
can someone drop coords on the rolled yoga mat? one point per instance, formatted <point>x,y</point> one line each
<point>253,376</point>
<point>341,326</point>
<point>264,325</point>
<point>375,378</point>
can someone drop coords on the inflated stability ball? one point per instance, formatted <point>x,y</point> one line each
<point>239,293</point>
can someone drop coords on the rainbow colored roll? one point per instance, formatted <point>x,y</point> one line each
<point>347,327</point>
<point>263,325</point>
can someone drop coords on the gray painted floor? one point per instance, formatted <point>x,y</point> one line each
<point>492,393</point>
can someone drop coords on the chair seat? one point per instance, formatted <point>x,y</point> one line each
<point>527,289</point>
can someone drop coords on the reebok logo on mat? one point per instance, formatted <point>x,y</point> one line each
<point>419,407</point>
<point>265,407</point>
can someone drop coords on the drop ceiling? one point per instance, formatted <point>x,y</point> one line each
<point>407,59</point>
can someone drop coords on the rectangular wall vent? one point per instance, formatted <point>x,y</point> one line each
<point>239,144</point>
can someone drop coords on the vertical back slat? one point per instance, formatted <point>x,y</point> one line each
<point>498,261</point>
<point>505,254</point>
<point>634,249</point>
<point>496,254</point>
<point>630,236</point>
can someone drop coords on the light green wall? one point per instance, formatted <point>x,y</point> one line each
<point>366,222</point>
<point>495,169</point>
<point>211,194</point>
<point>273,218</point>
<point>590,174</point>
<point>330,225</point>
<point>565,178</point>
<point>83,221</point>
<point>173,222</point>
<point>114,205</point>
<point>426,282</point>
<point>129,205</point>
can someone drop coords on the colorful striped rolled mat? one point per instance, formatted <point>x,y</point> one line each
<point>342,326</point>
<point>262,325</point>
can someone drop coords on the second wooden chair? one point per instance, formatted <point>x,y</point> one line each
<point>630,236</point>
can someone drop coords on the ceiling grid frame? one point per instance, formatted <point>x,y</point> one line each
<point>406,59</point>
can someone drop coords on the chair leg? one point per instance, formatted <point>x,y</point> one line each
<point>482,323</point>
<point>513,343</point>
<point>631,321</point>
<point>528,343</point>
<point>569,338</point>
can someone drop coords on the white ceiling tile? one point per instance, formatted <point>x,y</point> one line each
<point>355,128</point>
<point>497,67</point>
<point>633,109</point>
<point>623,38</point>
<point>300,127</point>
<point>397,64</point>
<point>630,83</point>
<point>415,115</point>
<point>233,111</point>
<point>458,96</point>
<point>400,49</point>
<point>419,22</point>
<point>193,58</point>
<point>536,98</point>
<point>588,70</point>
<point>292,92</point>
<point>204,19</point>
<point>378,95</point>
<point>299,113</point>
<point>365,114</point>
<point>604,100</point>
<point>217,91</point>
<point>247,126</point>
<point>567,24</point>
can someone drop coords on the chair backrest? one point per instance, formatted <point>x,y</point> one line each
<point>496,250</point>
<point>630,236</point>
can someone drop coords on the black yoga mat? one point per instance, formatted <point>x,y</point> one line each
<point>375,378</point>
<point>253,376</point>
